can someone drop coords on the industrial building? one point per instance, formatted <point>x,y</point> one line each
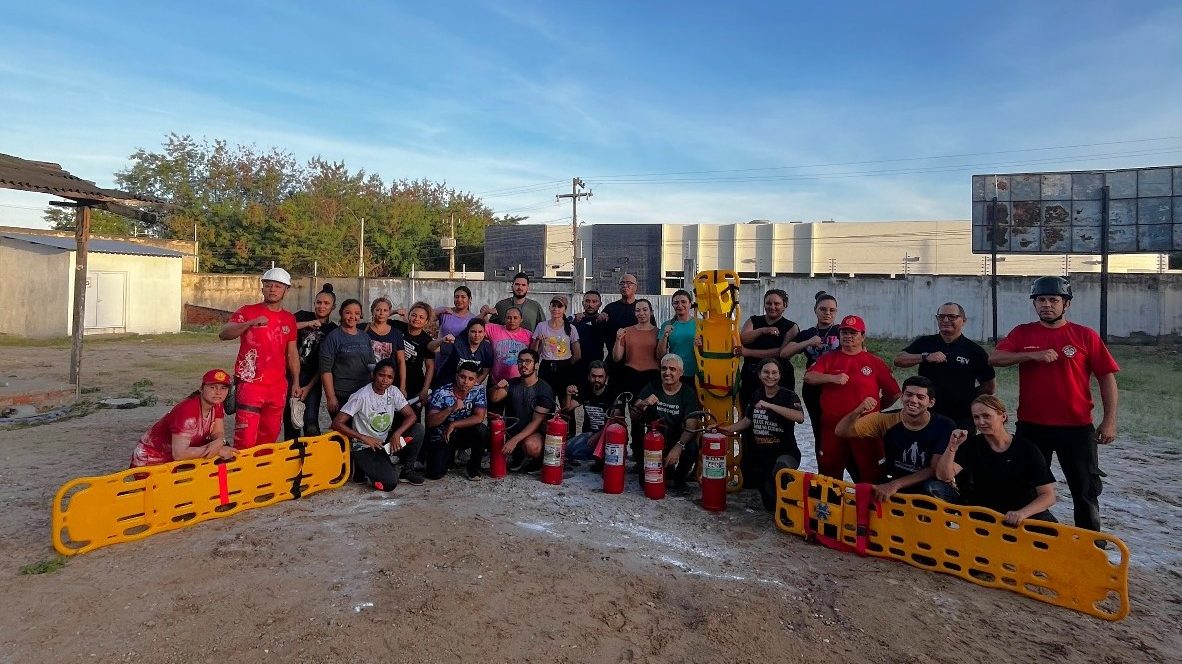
<point>660,255</point>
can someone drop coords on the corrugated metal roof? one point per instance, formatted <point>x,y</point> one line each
<point>49,178</point>
<point>96,246</point>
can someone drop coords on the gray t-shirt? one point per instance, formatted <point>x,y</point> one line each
<point>523,399</point>
<point>531,312</point>
<point>347,357</point>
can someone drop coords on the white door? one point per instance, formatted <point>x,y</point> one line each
<point>105,300</point>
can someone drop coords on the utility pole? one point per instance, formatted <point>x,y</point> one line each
<point>577,278</point>
<point>451,251</point>
<point>361,251</point>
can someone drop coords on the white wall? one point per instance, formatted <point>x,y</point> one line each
<point>34,289</point>
<point>153,297</point>
<point>1140,307</point>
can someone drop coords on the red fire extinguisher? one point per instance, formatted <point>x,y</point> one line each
<point>496,446</point>
<point>713,479</point>
<point>552,450</point>
<point>654,461</point>
<point>615,456</point>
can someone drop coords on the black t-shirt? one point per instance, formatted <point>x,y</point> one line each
<point>308,340</point>
<point>385,346</point>
<point>1005,481</point>
<point>671,409</point>
<point>813,353</point>
<point>768,342</point>
<point>771,428</point>
<point>591,338</point>
<point>619,315</point>
<point>907,451</point>
<point>523,399</point>
<point>417,355</point>
<point>596,408</point>
<point>957,378</point>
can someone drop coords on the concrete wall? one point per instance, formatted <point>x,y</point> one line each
<point>1140,307</point>
<point>153,297</point>
<point>34,289</point>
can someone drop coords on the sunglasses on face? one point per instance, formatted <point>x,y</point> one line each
<point>947,316</point>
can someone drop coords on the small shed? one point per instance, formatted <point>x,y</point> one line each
<point>129,287</point>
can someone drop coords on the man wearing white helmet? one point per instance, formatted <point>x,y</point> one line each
<point>267,355</point>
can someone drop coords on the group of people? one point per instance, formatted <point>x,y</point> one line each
<point>414,403</point>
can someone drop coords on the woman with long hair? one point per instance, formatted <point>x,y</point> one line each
<point>345,357</point>
<point>557,343</point>
<point>193,429</point>
<point>764,337</point>
<point>1000,470</point>
<point>471,344</point>
<point>384,337</point>
<point>679,334</point>
<point>420,360</point>
<point>813,343</point>
<point>635,353</point>
<point>311,328</point>
<point>767,425</point>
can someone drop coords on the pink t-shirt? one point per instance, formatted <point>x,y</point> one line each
<point>506,345</point>
<point>155,447</point>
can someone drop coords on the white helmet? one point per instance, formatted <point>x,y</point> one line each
<point>277,274</point>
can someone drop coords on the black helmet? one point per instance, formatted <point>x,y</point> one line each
<point>1051,286</point>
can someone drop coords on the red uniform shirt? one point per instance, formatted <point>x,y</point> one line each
<point>184,419</point>
<point>262,351</point>
<point>1058,393</point>
<point>868,375</point>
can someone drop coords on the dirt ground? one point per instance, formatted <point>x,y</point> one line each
<point>516,570</point>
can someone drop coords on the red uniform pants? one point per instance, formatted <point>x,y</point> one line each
<point>259,417</point>
<point>836,452</point>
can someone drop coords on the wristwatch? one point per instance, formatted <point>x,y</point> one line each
<point>923,357</point>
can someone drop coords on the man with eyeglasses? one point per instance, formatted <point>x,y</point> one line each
<point>621,313</point>
<point>530,401</point>
<point>531,311</point>
<point>957,366</point>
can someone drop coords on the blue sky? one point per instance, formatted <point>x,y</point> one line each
<point>798,110</point>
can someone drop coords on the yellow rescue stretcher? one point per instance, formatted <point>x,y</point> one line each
<point>93,512</point>
<point>1050,562</point>
<point>716,294</point>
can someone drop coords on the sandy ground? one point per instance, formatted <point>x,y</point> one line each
<point>517,570</point>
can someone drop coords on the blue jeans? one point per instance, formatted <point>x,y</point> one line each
<point>580,447</point>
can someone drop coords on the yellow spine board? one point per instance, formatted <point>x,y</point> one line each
<point>716,294</point>
<point>93,512</point>
<point>1050,562</point>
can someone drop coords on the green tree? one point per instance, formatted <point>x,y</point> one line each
<point>101,221</point>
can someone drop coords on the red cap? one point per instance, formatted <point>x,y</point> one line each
<point>216,377</point>
<point>853,323</point>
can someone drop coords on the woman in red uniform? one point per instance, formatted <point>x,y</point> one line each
<point>847,377</point>
<point>193,429</point>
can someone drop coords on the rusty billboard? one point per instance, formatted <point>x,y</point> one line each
<point>1066,212</point>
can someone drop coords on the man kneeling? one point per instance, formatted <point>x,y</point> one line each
<point>456,422</point>
<point>367,418</point>
<point>913,440</point>
<point>530,401</point>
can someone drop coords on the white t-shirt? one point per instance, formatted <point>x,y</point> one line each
<point>373,413</point>
<point>556,344</point>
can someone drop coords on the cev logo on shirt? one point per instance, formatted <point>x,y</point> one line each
<point>866,371</point>
<point>1069,351</point>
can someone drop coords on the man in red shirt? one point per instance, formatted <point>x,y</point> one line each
<point>1056,360</point>
<point>847,377</point>
<point>266,356</point>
